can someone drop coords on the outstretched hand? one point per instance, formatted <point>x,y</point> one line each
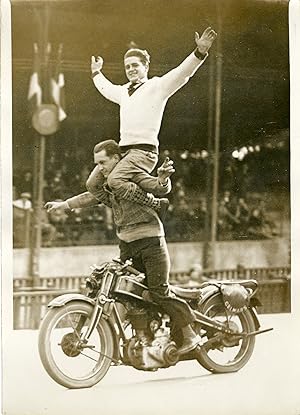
<point>53,206</point>
<point>165,170</point>
<point>96,63</point>
<point>206,40</point>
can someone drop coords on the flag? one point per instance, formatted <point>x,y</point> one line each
<point>58,87</point>
<point>35,91</point>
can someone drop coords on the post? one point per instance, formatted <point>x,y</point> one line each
<point>36,230</point>
<point>216,150</point>
<point>216,156</point>
<point>210,121</point>
<point>39,152</point>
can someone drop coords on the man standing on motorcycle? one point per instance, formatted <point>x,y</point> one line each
<point>140,232</point>
<point>142,102</point>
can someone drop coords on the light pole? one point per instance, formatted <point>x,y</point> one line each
<point>45,122</point>
<point>214,128</point>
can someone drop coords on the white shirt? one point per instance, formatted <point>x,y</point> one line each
<point>141,113</point>
<point>23,204</point>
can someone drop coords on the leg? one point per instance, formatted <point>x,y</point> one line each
<point>157,263</point>
<point>151,256</point>
<point>131,172</point>
<point>155,257</point>
<point>95,181</point>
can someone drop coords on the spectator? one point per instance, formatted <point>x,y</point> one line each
<point>183,215</point>
<point>226,221</point>
<point>258,229</point>
<point>24,201</point>
<point>194,278</point>
<point>48,230</point>
<point>200,213</point>
<point>242,214</point>
<point>58,219</point>
<point>266,219</point>
<point>22,209</point>
<point>196,275</point>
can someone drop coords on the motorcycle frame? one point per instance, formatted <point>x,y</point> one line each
<point>105,307</point>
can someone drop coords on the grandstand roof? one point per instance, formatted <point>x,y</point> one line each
<point>255,88</point>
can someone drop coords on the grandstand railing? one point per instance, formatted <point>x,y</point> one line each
<point>30,304</point>
<point>73,282</point>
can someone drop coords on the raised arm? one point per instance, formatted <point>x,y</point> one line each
<point>160,185</point>
<point>109,90</point>
<point>179,76</point>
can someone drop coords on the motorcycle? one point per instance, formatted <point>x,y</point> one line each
<point>115,322</point>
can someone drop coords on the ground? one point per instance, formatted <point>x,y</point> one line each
<point>267,385</point>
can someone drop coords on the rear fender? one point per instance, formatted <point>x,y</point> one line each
<point>213,290</point>
<point>208,292</point>
<point>254,302</point>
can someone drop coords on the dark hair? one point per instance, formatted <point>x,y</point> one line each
<point>140,53</point>
<point>110,146</point>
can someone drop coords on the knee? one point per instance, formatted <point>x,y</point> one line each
<point>116,183</point>
<point>159,294</point>
<point>91,184</point>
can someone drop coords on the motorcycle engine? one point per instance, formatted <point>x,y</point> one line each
<point>151,347</point>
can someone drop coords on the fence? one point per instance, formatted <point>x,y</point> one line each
<point>30,305</point>
<point>74,282</point>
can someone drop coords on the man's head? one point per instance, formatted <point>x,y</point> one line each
<point>25,196</point>
<point>136,63</point>
<point>107,155</point>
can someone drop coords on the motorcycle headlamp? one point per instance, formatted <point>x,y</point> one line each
<point>91,283</point>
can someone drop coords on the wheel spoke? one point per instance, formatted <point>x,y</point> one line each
<point>85,355</point>
<point>105,355</point>
<point>72,325</point>
<point>223,352</point>
<point>67,360</point>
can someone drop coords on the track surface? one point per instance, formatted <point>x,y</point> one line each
<point>268,385</point>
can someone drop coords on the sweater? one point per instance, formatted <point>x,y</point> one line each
<point>141,113</point>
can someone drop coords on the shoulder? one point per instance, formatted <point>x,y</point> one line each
<point>153,82</point>
<point>154,79</point>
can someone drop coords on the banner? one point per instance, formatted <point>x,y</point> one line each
<point>58,86</point>
<point>35,91</point>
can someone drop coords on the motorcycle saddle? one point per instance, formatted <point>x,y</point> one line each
<point>188,293</point>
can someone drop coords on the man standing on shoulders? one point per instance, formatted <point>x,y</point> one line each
<point>142,102</point>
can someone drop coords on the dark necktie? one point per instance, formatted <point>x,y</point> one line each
<point>133,87</point>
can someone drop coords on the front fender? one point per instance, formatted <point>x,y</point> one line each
<point>63,299</point>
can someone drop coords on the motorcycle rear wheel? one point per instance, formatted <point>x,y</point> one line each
<point>64,359</point>
<point>228,354</point>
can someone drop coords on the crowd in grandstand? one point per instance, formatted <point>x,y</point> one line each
<point>240,215</point>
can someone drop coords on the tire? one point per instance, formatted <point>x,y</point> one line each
<point>216,357</point>
<point>65,362</point>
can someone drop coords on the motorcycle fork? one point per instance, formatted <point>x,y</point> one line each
<point>97,313</point>
<point>118,321</point>
<point>101,302</point>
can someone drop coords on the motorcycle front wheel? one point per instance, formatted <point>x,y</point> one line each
<point>223,353</point>
<point>64,356</point>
